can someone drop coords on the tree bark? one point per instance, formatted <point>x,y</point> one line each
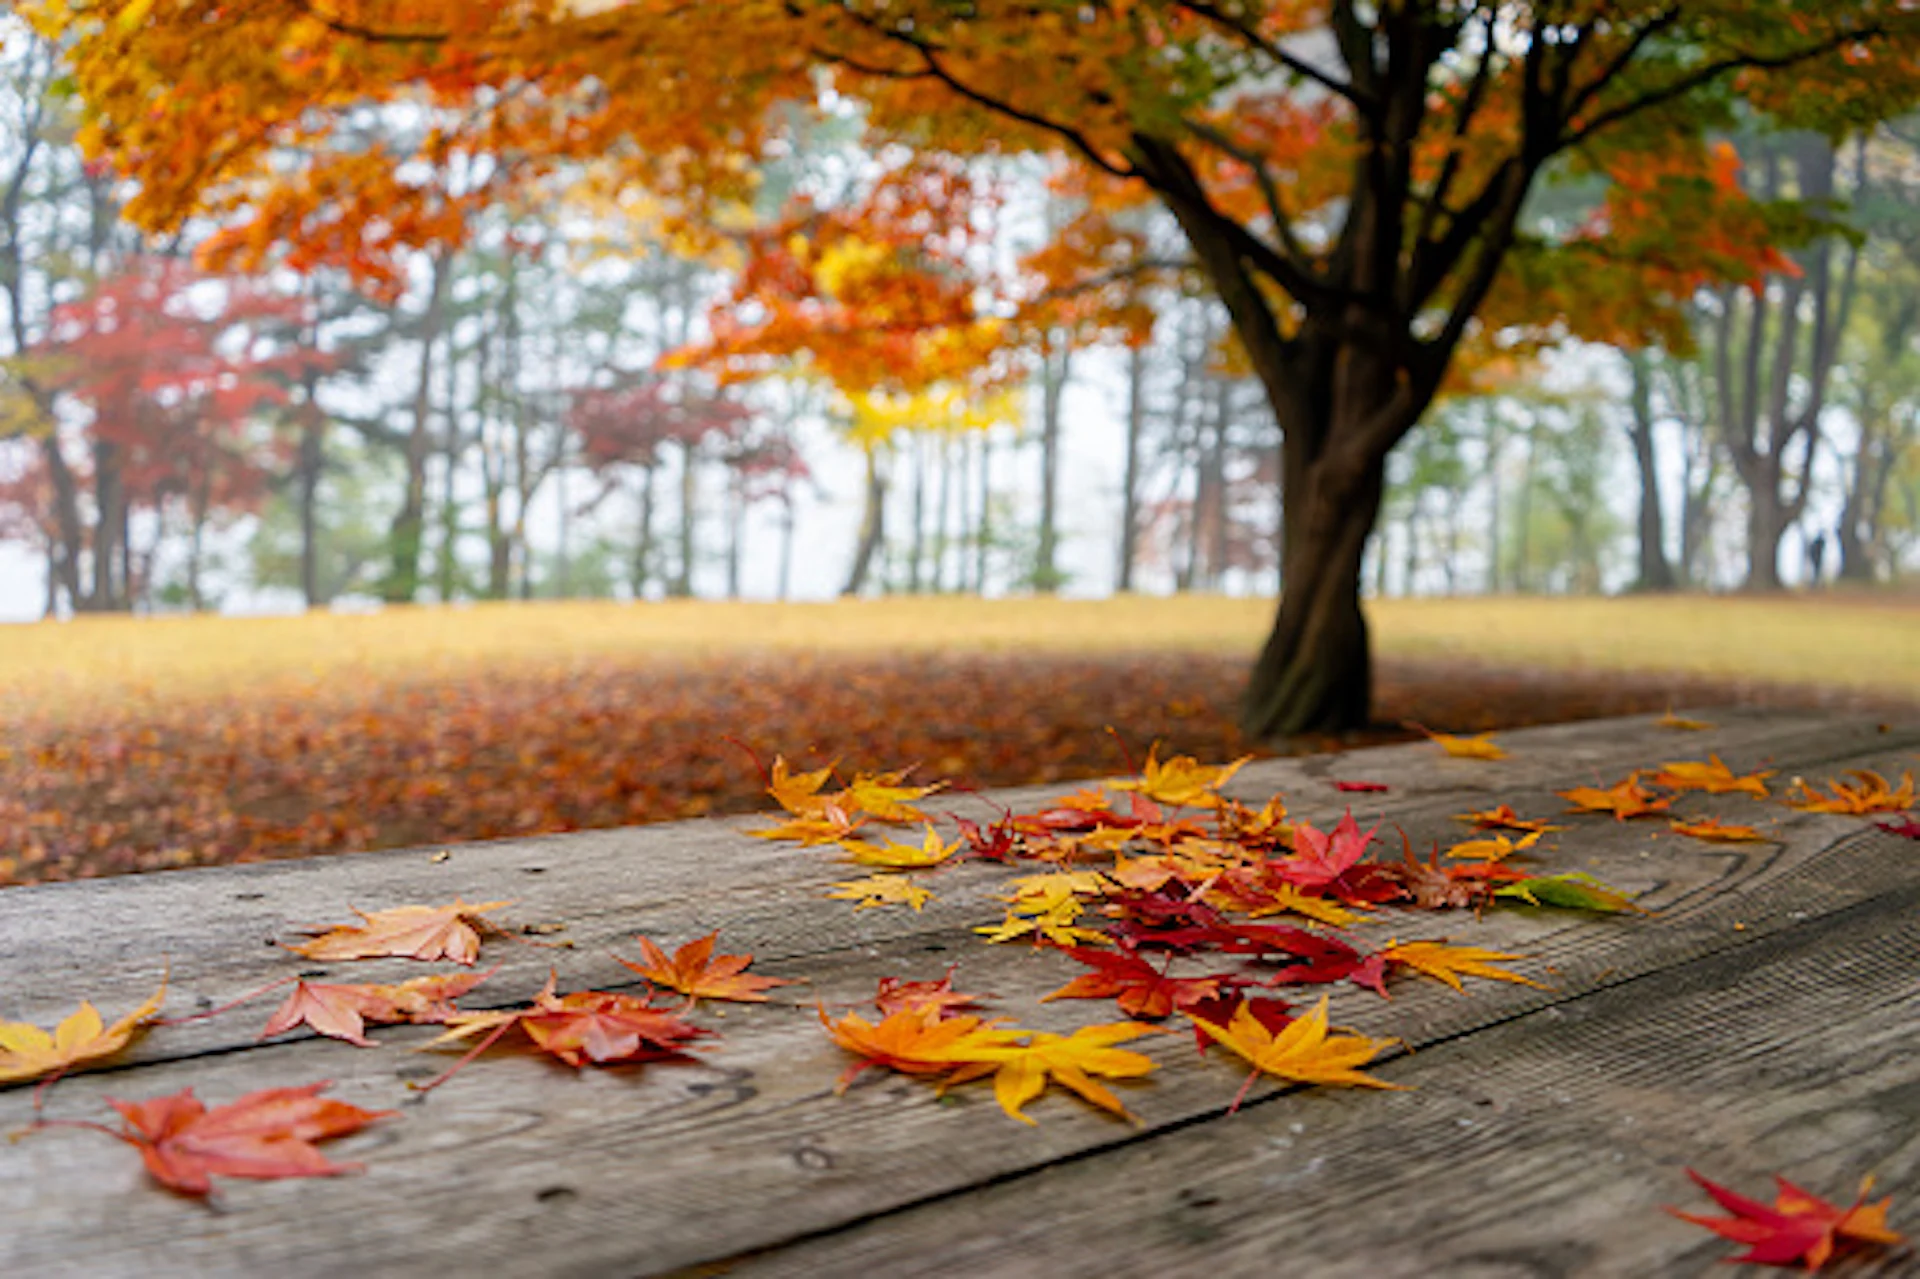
<point>1130,478</point>
<point>1656,574</point>
<point>1055,369</point>
<point>872,525</point>
<point>407,533</point>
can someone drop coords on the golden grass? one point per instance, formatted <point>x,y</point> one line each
<point>1846,642</point>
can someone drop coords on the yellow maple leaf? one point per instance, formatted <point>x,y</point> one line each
<point>1055,924</point>
<point>1183,781</point>
<point>1285,898</point>
<point>1713,777</point>
<point>798,793</point>
<point>1302,1051</point>
<point>1034,893</point>
<point>1474,747</point>
<point>1719,832</point>
<point>1021,1072</point>
<point>896,856</point>
<point>1450,963</point>
<point>1868,793</point>
<point>882,890</point>
<point>1670,720</point>
<point>880,796</point>
<point>28,1052</point>
<point>828,824</point>
<point>1493,848</point>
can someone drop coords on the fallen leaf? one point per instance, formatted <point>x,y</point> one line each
<point>1056,924</point>
<point>1797,1226</point>
<point>696,972</point>
<point>28,1052</point>
<point>1624,799</point>
<point>407,932</point>
<point>1361,787</point>
<point>1670,720</point>
<point>1450,963</point>
<point>1574,890</point>
<point>1905,826</point>
<point>1322,857</point>
<point>798,793</point>
<point>930,998</point>
<point>1273,1014</point>
<point>1022,1072</point>
<point>895,856</point>
<point>1717,831</point>
<point>1868,793</point>
<point>1140,989</point>
<point>1713,777</point>
<point>882,890</point>
<point>585,1027</point>
<point>1492,849</point>
<point>1504,818</point>
<point>913,1041</point>
<point>264,1135</point>
<point>342,1011</point>
<point>1474,747</point>
<point>881,797</point>
<point>1183,781</point>
<point>1303,1051</point>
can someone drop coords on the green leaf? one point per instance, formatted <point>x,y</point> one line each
<point>1572,891</point>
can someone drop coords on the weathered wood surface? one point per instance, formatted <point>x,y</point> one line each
<point>1764,1018</point>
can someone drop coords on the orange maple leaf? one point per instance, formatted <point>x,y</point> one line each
<point>407,932</point>
<point>913,1041</point>
<point>1450,963</point>
<point>28,1052</point>
<point>1504,818</point>
<point>1474,747</point>
<point>1868,793</point>
<point>1624,799</point>
<point>1302,1051</point>
<point>1680,723</point>
<point>1493,848</point>
<point>585,1026</point>
<point>342,1011</point>
<point>1717,831</point>
<point>264,1135</point>
<point>1713,777</point>
<point>932,998</point>
<point>882,797</point>
<point>696,972</point>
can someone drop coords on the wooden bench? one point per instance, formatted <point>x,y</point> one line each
<point>1763,1018</point>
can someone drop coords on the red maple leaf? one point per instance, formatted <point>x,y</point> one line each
<point>1320,857</point>
<point>1797,1226</point>
<point>1272,1014</point>
<point>935,998</point>
<point>1361,787</point>
<point>1140,989</point>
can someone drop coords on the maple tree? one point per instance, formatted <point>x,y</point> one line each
<point>1352,181</point>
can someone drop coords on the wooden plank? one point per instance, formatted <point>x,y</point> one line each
<point>1545,1145</point>
<point>216,928</point>
<point>679,1165</point>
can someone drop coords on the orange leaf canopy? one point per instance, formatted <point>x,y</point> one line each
<point>264,1135</point>
<point>28,1052</point>
<point>407,932</point>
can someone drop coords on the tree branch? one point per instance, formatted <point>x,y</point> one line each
<point>1282,224</point>
<point>1253,39</point>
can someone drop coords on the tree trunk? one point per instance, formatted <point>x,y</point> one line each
<point>309,467</point>
<point>408,529</point>
<point>643,539</point>
<point>1130,477</point>
<point>1656,574</point>
<point>1055,370</point>
<point>983,532</point>
<point>736,530</point>
<point>1315,672</point>
<point>786,544</point>
<point>682,587</point>
<point>872,525</point>
<point>916,549</point>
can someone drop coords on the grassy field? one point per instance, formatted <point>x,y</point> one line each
<point>134,744</point>
<point>1861,643</point>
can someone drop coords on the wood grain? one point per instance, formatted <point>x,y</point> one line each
<point>542,1171</point>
